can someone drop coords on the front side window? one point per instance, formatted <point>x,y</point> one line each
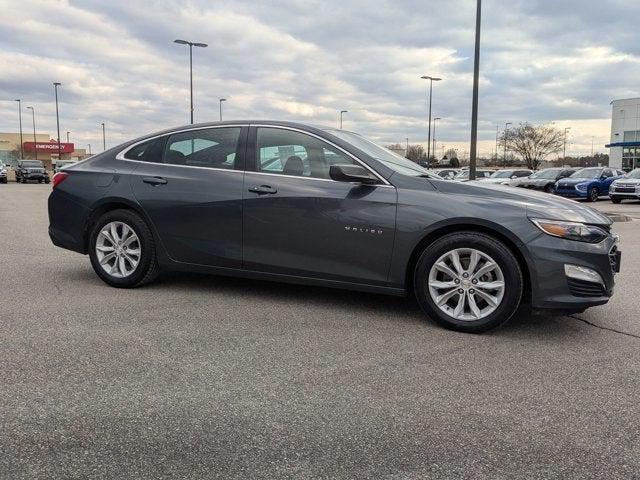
<point>210,148</point>
<point>287,152</point>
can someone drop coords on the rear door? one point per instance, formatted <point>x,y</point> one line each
<point>190,184</point>
<point>298,221</point>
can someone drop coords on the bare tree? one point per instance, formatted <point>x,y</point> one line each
<point>533,143</point>
<point>416,153</point>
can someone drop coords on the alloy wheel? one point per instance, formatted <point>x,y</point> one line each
<point>466,284</point>
<point>118,249</point>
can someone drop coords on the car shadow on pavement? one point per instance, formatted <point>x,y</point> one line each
<point>405,310</point>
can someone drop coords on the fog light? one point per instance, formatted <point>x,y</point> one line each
<point>583,273</point>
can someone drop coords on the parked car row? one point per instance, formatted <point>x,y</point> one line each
<point>33,170</point>
<point>588,183</point>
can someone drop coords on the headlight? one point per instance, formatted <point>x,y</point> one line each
<point>581,186</point>
<point>579,232</point>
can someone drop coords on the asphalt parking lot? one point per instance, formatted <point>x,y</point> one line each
<point>210,377</point>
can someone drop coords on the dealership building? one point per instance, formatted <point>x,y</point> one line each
<point>44,148</point>
<point>624,148</point>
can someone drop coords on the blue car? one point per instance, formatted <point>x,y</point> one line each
<point>588,183</point>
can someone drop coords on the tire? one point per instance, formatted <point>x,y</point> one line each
<point>40,180</point>
<point>549,188</point>
<point>593,194</point>
<point>147,268</point>
<point>616,200</point>
<point>46,180</point>
<point>489,316</point>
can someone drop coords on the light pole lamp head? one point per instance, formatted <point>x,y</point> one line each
<point>223,100</point>
<point>344,111</point>
<point>433,79</point>
<point>29,108</point>
<point>181,42</point>
<point>437,118</point>
<point>201,45</point>
<point>56,84</point>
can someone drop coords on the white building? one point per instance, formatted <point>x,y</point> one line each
<point>624,149</point>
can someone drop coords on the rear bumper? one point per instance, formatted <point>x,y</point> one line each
<point>67,222</point>
<point>552,289</point>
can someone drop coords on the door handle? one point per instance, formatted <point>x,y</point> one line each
<point>263,190</point>
<point>154,181</point>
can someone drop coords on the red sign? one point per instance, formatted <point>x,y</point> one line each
<point>51,147</point>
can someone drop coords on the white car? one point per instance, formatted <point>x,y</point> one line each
<point>505,177</point>
<point>3,173</point>
<point>626,188</point>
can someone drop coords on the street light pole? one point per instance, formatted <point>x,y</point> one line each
<point>104,138</point>
<point>68,136</point>
<point>89,145</point>
<point>564,147</point>
<point>506,133</point>
<point>220,101</point>
<point>497,135</point>
<point>407,150</point>
<point>434,135</point>
<point>20,122</point>
<point>33,116</point>
<point>55,87</point>
<point>342,112</point>
<point>431,80</point>
<point>191,45</point>
<point>474,102</point>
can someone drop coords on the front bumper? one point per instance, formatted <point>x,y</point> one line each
<point>552,289</point>
<point>625,195</point>
<point>570,193</point>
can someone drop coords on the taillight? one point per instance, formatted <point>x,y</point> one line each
<point>58,178</point>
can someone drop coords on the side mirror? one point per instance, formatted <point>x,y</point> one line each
<point>351,173</point>
<point>514,176</point>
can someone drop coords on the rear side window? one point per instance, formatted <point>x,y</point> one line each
<point>150,151</point>
<point>210,148</point>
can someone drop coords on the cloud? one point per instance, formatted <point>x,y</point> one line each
<point>542,61</point>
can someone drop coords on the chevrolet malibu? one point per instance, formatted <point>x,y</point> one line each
<point>318,206</point>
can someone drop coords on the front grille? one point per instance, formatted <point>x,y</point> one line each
<point>582,288</point>
<point>614,259</point>
<point>626,189</point>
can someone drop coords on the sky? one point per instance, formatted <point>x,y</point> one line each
<point>542,61</point>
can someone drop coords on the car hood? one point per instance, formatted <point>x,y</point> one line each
<point>575,181</point>
<point>628,181</point>
<point>536,204</point>
<point>494,180</point>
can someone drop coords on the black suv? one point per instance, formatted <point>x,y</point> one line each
<point>295,203</point>
<point>31,170</point>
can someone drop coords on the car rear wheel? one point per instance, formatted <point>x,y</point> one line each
<point>616,200</point>
<point>122,250</point>
<point>549,188</point>
<point>593,194</point>
<point>468,282</point>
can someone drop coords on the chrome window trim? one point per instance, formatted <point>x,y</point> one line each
<point>280,175</point>
<point>360,162</point>
<point>121,154</point>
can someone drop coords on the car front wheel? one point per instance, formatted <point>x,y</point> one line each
<point>616,200</point>
<point>468,282</point>
<point>593,194</point>
<point>122,250</point>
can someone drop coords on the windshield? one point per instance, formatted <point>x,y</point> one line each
<point>502,174</point>
<point>588,173</point>
<point>633,174</point>
<point>31,164</point>
<point>547,173</point>
<point>390,159</point>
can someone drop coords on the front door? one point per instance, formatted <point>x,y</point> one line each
<point>190,184</point>
<point>297,221</point>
